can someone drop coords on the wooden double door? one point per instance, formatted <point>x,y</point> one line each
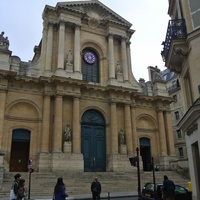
<point>19,155</point>
<point>93,142</point>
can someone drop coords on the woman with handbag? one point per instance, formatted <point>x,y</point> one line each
<point>60,190</point>
<point>14,188</point>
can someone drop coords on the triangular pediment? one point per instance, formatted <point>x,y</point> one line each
<point>94,10</point>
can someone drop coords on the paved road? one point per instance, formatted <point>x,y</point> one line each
<point>104,196</point>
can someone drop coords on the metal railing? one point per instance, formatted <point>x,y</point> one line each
<point>176,30</point>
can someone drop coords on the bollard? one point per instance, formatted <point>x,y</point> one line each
<point>190,186</point>
<point>108,195</point>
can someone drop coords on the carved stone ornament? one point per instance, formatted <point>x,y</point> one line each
<point>93,20</point>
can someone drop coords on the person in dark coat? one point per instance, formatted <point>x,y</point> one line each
<point>168,189</point>
<point>15,185</point>
<point>60,190</point>
<point>96,189</point>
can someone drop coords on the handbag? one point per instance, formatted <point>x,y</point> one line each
<point>12,195</point>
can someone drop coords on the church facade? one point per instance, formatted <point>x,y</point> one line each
<point>76,105</point>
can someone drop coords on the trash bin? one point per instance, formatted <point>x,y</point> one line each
<point>190,186</point>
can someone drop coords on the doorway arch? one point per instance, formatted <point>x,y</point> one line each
<point>20,146</point>
<point>145,153</point>
<point>93,141</point>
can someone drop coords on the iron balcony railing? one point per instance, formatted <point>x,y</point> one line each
<point>176,30</point>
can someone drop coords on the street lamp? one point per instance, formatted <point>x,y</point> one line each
<point>136,163</point>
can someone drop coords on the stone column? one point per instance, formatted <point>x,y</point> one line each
<point>76,135</point>
<point>44,46</point>
<point>61,45</point>
<point>2,113</point>
<point>49,48</point>
<point>134,130</point>
<point>162,137</point>
<point>113,128</point>
<point>169,133</point>
<point>129,61</point>
<point>111,57</point>
<point>124,59</point>
<point>77,49</point>
<point>46,124</point>
<point>129,139</point>
<point>57,133</point>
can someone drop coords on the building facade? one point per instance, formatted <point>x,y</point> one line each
<point>77,106</point>
<point>172,82</point>
<point>181,55</point>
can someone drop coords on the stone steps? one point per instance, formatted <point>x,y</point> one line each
<point>42,184</point>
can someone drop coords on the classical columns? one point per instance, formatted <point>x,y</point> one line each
<point>129,139</point>
<point>76,142</point>
<point>43,49</point>
<point>162,137</point>
<point>111,57</point>
<point>129,61</point>
<point>46,124</point>
<point>113,127</point>
<point>57,133</point>
<point>134,130</point>
<point>2,112</point>
<point>77,49</point>
<point>49,48</point>
<point>124,59</point>
<point>61,45</point>
<point>169,133</point>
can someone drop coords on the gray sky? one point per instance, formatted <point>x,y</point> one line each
<point>21,20</point>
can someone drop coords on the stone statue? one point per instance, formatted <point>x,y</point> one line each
<point>69,58</point>
<point>118,68</point>
<point>156,74</point>
<point>67,133</point>
<point>121,137</point>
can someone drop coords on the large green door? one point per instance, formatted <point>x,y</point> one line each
<point>93,141</point>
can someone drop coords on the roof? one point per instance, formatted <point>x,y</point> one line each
<point>83,7</point>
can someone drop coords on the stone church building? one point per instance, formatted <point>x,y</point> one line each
<point>76,105</point>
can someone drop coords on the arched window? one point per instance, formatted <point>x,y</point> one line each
<point>90,65</point>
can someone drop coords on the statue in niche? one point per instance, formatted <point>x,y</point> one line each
<point>121,137</point>
<point>118,68</point>
<point>69,58</point>
<point>67,133</point>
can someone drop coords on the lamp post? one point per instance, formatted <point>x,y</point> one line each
<point>154,179</point>
<point>138,174</point>
<point>136,163</point>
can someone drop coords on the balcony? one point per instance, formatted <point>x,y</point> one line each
<point>174,46</point>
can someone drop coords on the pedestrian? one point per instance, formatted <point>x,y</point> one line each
<point>60,192</point>
<point>14,187</point>
<point>21,195</point>
<point>96,189</point>
<point>168,189</point>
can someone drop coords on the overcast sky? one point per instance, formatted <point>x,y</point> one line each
<point>21,20</point>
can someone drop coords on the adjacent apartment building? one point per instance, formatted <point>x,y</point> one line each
<point>181,55</point>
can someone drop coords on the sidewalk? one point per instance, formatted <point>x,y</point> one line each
<point>84,196</point>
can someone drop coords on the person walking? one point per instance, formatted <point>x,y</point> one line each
<point>168,189</point>
<point>14,187</point>
<point>60,192</point>
<point>96,189</point>
<point>21,195</point>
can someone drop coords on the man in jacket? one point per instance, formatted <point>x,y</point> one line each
<point>96,189</point>
<point>168,189</point>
